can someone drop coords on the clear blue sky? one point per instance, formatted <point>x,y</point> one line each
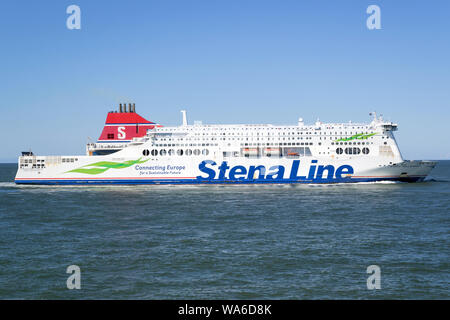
<point>246,61</point>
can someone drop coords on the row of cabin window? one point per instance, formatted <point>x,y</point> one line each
<point>280,144</point>
<point>35,165</point>
<point>186,144</point>
<point>336,135</point>
<point>31,161</point>
<point>352,151</point>
<point>242,144</point>
<point>264,127</point>
<point>171,152</point>
<point>242,139</point>
<point>289,152</point>
<point>267,131</point>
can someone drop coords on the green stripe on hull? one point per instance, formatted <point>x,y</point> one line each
<point>102,166</point>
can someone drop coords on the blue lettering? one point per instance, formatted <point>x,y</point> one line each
<point>238,170</point>
<point>223,169</point>
<point>312,170</point>
<point>294,171</point>
<point>203,168</point>
<point>253,169</point>
<point>345,169</point>
<point>316,172</point>
<point>321,169</point>
<point>279,173</point>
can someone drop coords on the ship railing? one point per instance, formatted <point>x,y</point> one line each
<point>93,146</point>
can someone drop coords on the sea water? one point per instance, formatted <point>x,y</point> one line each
<point>226,242</point>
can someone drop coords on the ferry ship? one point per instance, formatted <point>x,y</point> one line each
<point>133,150</point>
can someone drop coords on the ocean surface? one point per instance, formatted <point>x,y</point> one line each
<point>226,242</point>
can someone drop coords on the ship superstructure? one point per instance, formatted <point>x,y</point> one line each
<point>149,153</point>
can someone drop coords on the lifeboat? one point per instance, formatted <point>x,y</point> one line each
<point>250,152</point>
<point>272,151</point>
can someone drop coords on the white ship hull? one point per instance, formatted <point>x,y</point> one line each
<point>212,171</point>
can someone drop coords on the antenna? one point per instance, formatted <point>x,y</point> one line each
<point>184,117</point>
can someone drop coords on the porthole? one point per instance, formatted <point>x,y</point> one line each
<point>180,152</point>
<point>154,152</point>
<point>365,150</point>
<point>171,152</point>
<point>145,152</point>
<point>205,152</point>
<point>339,150</point>
<point>162,152</point>
<point>188,152</point>
<point>196,152</point>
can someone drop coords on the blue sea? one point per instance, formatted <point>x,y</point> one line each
<point>226,242</point>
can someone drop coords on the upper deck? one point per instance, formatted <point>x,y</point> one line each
<point>259,140</point>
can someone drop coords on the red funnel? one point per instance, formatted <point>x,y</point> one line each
<point>124,126</point>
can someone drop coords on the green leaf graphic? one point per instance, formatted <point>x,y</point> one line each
<point>359,136</point>
<point>102,166</point>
